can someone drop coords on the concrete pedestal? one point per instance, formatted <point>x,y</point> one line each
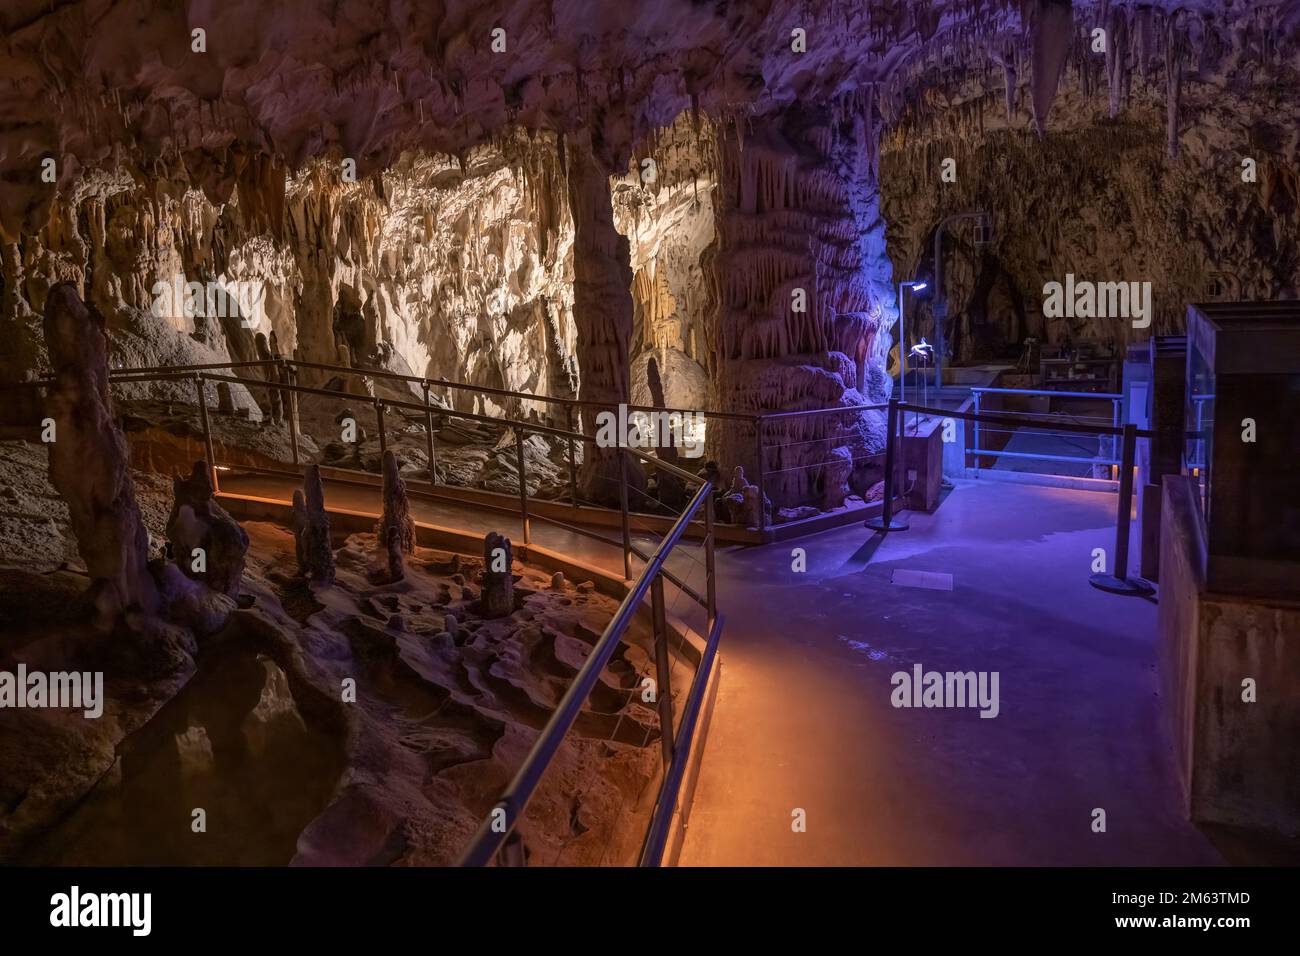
<point>922,454</point>
<point>1239,761</point>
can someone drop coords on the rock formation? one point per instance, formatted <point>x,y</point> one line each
<point>548,219</point>
<point>396,530</point>
<point>602,307</point>
<point>275,398</point>
<point>208,545</point>
<point>392,540</point>
<point>669,488</point>
<point>89,462</point>
<point>311,530</point>
<point>744,503</point>
<point>806,287</point>
<point>498,597</point>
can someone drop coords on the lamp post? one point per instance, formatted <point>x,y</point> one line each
<point>915,286</point>
<point>922,351</point>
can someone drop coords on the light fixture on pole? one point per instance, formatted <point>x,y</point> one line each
<point>915,286</point>
<point>922,352</point>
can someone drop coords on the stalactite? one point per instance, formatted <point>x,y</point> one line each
<point>1174,80</point>
<point>1116,58</point>
<point>1052,30</point>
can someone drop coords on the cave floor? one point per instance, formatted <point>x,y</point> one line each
<point>804,721</point>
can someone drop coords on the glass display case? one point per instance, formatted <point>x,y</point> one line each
<point>1243,443</point>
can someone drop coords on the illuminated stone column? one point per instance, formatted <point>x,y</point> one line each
<point>806,295</point>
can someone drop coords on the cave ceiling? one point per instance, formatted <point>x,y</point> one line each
<point>100,83</point>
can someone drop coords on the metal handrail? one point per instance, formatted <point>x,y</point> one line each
<point>290,366</point>
<point>838,409</point>
<point>494,831</point>
<point>1129,434</point>
<point>1046,391</point>
<point>997,419</point>
<point>978,451</point>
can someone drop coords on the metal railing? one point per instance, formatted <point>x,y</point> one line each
<point>496,837</point>
<point>1031,419</point>
<point>1128,434</point>
<point>755,429</point>
<point>675,742</point>
<point>282,376</point>
<point>282,373</point>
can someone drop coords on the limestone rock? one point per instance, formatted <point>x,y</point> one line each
<point>835,476</point>
<point>198,524</point>
<point>742,500</point>
<point>396,530</point>
<point>311,530</point>
<point>497,599</point>
<point>89,462</point>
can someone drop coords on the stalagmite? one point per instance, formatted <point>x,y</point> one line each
<point>498,597</point>
<point>393,551</point>
<point>745,504</point>
<point>602,309</point>
<point>311,529</point>
<point>1117,58</point>
<point>804,280</point>
<point>671,490</point>
<point>89,463</point>
<point>396,530</point>
<point>225,401</point>
<point>275,398</point>
<point>208,545</point>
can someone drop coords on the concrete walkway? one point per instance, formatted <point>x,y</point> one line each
<point>804,719</point>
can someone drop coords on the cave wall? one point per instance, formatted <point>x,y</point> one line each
<point>1139,177</point>
<point>440,267</point>
<point>454,252</point>
<point>664,205</point>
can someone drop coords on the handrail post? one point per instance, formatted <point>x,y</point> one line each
<point>512,852</point>
<point>710,581</point>
<point>430,449</point>
<point>886,521</point>
<point>287,374</point>
<point>1114,404</point>
<point>663,670</point>
<point>758,478</point>
<point>627,521</point>
<point>573,460</point>
<point>383,436</point>
<point>1120,582</point>
<point>207,432</point>
<point>976,446</point>
<point>523,480</point>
